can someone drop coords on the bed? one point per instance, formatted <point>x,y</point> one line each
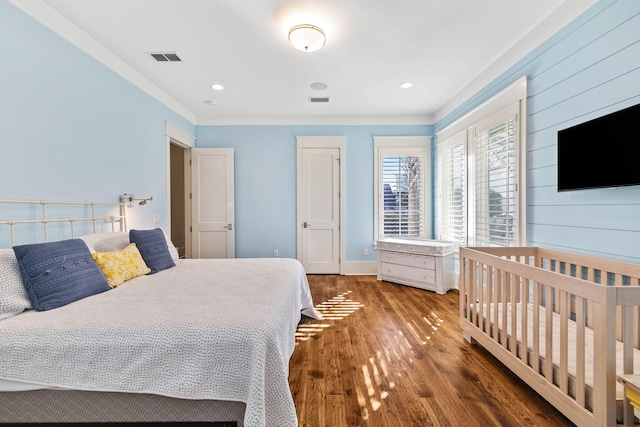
<point>202,340</point>
<point>566,324</point>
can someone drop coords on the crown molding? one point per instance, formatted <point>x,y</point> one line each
<point>43,13</point>
<point>50,18</point>
<point>558,19</point>
<point>309,120</point>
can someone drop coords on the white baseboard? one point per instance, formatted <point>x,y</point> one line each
<point>359,268</point>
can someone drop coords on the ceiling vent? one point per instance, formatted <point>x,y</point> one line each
<point>165,57</point>
<point>319,99</point>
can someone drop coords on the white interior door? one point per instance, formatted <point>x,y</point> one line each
<point>320,210</point>
<point>212,204</point>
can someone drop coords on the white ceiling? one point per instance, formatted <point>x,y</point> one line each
<point>446,48</point>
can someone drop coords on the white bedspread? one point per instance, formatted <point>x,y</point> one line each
<point>205,329</point>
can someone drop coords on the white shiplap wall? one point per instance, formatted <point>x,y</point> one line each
<point>588,69</point>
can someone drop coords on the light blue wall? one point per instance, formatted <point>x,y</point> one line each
<point>265,183</point>
<point>588,69</point>
<point>71,128</point>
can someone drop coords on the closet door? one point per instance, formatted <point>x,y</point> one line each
<point>320,206</point>
<point>212,203</point>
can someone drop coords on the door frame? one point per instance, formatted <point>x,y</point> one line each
<point>177,136</point>
<point>229,154</point>
<point>338,142</point>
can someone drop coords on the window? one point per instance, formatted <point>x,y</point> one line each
<point>453,190</point>
<point>403,198</point>
<point>480,174</point>
<point>496,214</point>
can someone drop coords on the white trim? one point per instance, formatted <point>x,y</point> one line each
<point>322,142</point>
<point>179,135</point>
<point>53,20</point>
<point>402,141</point>
<point>563,15</point>
<point>558,19</point>
<point>522,168</point>
<point>515,92</point>
<point>306,120</point>
<point>355,268</point>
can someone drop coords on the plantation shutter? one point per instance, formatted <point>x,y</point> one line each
<point>496,200</point>
<point>402,181</point>
<point>453,171</point>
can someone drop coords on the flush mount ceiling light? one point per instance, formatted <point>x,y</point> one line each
<point>307,37</point>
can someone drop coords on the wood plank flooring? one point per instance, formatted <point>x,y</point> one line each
<point>391,355</point>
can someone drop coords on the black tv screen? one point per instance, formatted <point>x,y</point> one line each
<point>603,152</point>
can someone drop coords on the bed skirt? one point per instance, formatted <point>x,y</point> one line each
<point>73,406</point>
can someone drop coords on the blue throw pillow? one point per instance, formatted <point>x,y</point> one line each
<point>58,273</point>
<point>152,245</point>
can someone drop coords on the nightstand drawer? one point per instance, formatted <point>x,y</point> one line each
<point>421,261</point>
<point>416,249</point>
<point>389,270</point>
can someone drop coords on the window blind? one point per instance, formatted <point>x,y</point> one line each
<point>454,192</point>
<point>403,195</point>
<point>495,184</point>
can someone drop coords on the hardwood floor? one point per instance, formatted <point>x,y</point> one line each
<point>391,355</point>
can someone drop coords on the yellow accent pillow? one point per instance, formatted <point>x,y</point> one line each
<point>120,266</point>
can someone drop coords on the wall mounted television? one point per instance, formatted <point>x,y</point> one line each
<point>601,153</point>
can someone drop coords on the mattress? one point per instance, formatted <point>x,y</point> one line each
<point>205,329</point>
<point>571,338</point>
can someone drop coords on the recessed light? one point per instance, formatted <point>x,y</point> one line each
<point>211,103</point>
<point>406,85</point>
<point>217,86</point>
<point>318,86</point>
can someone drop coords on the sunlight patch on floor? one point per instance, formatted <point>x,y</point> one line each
<point>422,332</point>
<point>377,383</point>
<point>337,308</point>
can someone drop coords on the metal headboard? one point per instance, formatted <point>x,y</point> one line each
<point>118,222</point>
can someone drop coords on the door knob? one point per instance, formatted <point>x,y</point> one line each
<point>306,224</point>
<point>229,227</point>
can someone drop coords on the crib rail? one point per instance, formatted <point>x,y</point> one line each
<point>506,294</point>
<point>70,213</point>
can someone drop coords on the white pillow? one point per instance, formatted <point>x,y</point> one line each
<point>172,249</point>
<point>13,296</point>
<point>115,243</point>
<point>92,239</point>
<point>108,242</point>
